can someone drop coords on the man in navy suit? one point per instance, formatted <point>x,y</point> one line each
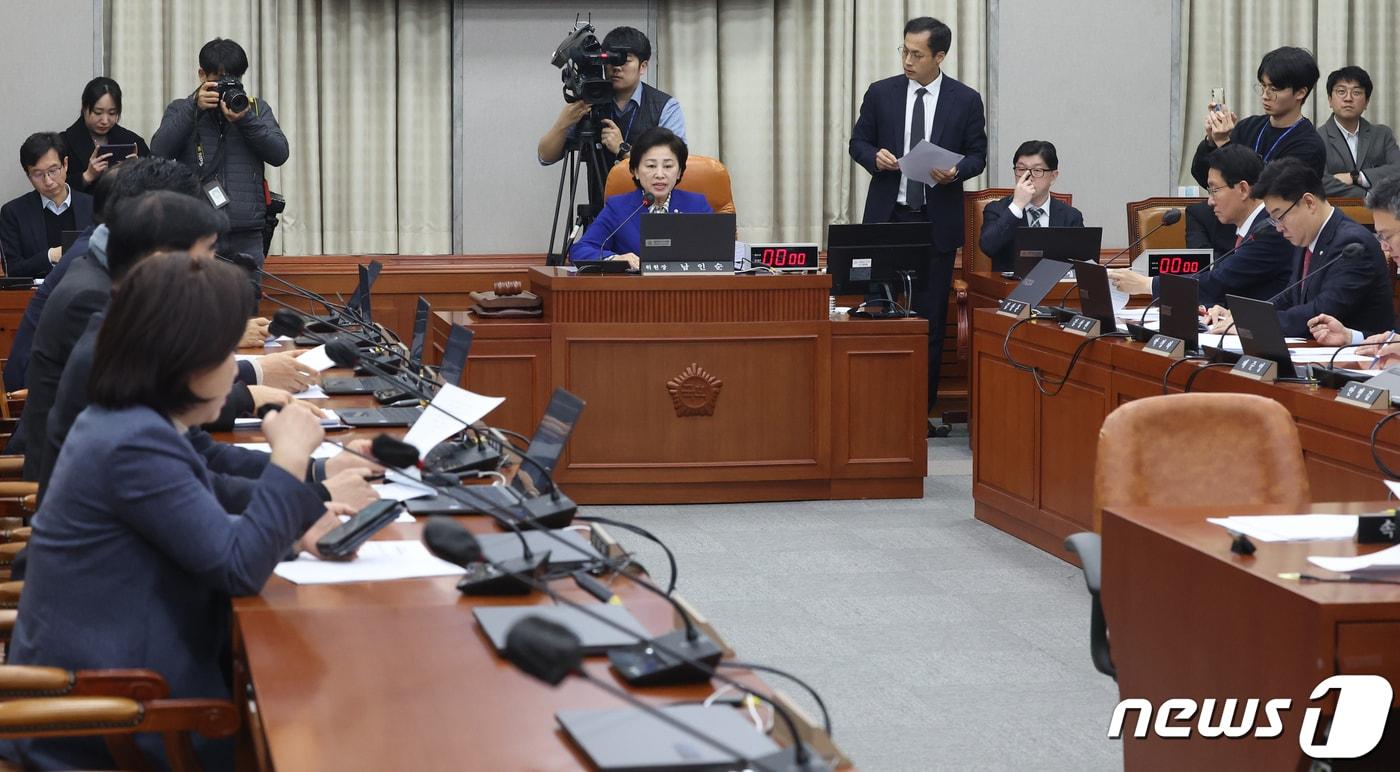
<point>898,113</point>
<point>1037,166</point>
<point>1353,290</point>
<point>1262,259</point>
<point>32,226</point>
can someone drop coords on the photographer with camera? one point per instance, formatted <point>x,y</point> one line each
<point>634,108</point>
<point>225,136</point>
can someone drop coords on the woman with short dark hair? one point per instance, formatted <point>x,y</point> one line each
<point>97,127</point>
<point>132,559</point>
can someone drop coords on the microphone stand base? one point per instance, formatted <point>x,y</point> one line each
<point>462,457</point>
<point>548,512</point>
<point>1139,333</point>
<point>644,665</point>
<point>486,579</point>
<point>1220,355</point>
<point>785,760</point>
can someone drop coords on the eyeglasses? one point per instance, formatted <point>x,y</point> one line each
<point>1035,173</point>
<point>1269,91</point>
<point>1277,221</point>
<point>53,172</point>
<point>1343,92</point>
<point>1213,191</point>
<point>909,53</point>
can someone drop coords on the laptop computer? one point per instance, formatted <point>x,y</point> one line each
<point>687,243</point>
<point>577,553</point>
<point>1031,245</point>
<point>1040,281</point>
<point>454,361</point>
<point>1261,335</point>
<point>597,637</point>
<point>340,385</point>
<point>546,446</point>
<point>1179,299</point>
<point>628,739</point>
<point>357,307</point>
<point>1095,299</point>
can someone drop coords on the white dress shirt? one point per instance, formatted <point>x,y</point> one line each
<point>930,105</point>
<point>1352,138</point>
<point>61,207</point>
<point>1043,205</point>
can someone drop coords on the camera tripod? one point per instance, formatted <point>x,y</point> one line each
<point>585,152</point>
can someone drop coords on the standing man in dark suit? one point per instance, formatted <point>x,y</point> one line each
<point>898,113</point>
<point>1263,259</point>
<point>1037,166</point>
<point>1358,151</point>
<point>1355,291</point>
<point>32,226</point>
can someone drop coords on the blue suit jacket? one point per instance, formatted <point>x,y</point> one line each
<point>24,237</point>
<point>622,218</point>
<point>133,560</point>
<point>1356,291</point>
<point>999,229</point>
<point>1259,269</point>
<point>959,125</point>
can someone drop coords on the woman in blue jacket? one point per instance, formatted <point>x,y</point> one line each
<point>657,162</point>
<point>133,559</point>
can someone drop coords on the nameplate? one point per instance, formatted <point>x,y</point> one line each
<point>1256,369</point>
<point>1359,394</point>
<point>1383,528</point>
<point>1016,309</point>
<point>1083,325</point>
<point>719,266</point>
<point>1166,346</point>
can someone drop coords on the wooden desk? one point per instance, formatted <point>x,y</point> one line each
<point>772,399</point>
<point>1187,618</point>
<point>12,304</point>
<point>1033,455</point>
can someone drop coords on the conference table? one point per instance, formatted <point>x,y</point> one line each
<point>397,675</point>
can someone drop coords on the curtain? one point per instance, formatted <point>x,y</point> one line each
<point>1222,42</point>
<point>362,89</point>
<point>772,89</point>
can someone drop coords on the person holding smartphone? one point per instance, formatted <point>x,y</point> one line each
<point>95,141</point>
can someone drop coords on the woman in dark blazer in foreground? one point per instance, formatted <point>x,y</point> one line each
<point>133,560</point>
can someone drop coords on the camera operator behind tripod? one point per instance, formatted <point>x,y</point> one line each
<point>226,136</point>
<point>635,107</point>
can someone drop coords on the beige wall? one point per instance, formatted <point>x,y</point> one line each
<point>1095,78</point>
<point>46,53</point>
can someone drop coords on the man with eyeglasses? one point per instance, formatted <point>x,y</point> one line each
<point>1358,152</point>
<point>1384,202</point>
<point>897,114</point>
<point>32,226</point>
<point>1263,259</point>
<point>1030,205</point>
<point>1355,291</point>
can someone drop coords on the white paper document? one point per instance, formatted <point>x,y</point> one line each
<point>314,391</point>
<point>918,164</point>
<point>1323,354</point>
<point>1118,298</point>
<point>1387,561</point>
<point>317,359</point>
<point>329,419</point>
<point>325,451</point>
<point>377,561</point>
<point>436,425</point>
<point>1290,527</point>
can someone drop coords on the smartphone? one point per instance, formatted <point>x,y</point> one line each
<point>1217,98</point>
<point>343,540</point>
<point>119,152</point>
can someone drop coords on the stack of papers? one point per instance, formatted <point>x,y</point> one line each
<point>325,451</point>
<point>439,419</point>
<point>1290,527</point>
<point>1387,561</point>
<point>317,359</point>
<point>377,561</point>
<point>328,420</point>
<point>918,164</point>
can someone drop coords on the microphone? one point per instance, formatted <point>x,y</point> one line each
<point>647,201</point>
<point>449,541</point>
<point>393,452</point>
<point>1349,252</point>
<point>247,263</point>
<point>1139,331</point>
<point>1170,217</point>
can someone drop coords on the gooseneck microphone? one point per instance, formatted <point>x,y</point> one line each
<point>1349,252</point>
<point>1170,217</point>
<point>449,541</point>
<point>648,200</point>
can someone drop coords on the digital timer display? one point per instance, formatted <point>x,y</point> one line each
<point>784,257</point>
<point>1177,262</point>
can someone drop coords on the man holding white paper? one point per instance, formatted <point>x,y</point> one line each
<point>896,115</point>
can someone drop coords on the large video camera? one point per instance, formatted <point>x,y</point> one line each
<point>584,64</point>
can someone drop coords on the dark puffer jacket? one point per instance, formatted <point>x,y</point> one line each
<point>237,161</point>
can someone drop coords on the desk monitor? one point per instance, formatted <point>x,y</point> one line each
<point>1038,283</point>
<point>627,739</point>
<point>420,330</point>
<point>1095,299</point>
<point>1031,245</point>
<point>455,353</point>
<point>1261,336</point>
<point>687,243</point>
<point>1179,299</point>
<point>874,259</point>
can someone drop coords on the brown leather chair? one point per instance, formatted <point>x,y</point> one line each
<point>1264,463</point>
<point>1146,214</point>
<point>703,174</point>
<point>112,704</point>
<point>1355,208</point>
<point>974,202</point>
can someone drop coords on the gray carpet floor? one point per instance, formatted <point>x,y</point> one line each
<point>936,641</point>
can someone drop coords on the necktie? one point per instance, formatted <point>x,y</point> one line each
<point>914,194</point>
<point>1033,216</point>
<point>1238,241</point>
<point>1307,263</point>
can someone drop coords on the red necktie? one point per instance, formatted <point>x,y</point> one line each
<point>1238,241</point>
<point>1307,263</point>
